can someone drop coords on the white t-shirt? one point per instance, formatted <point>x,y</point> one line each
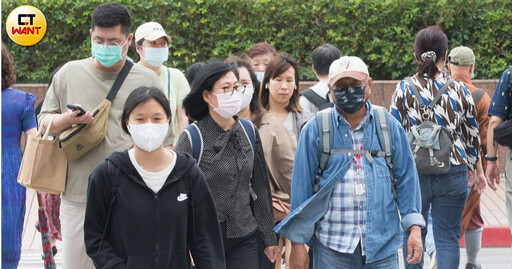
<point>321,88</point>
<point>154,180</point>
<point>289,122</point>
<point>175,91</point>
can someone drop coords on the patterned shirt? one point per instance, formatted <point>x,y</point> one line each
<point>501,103</point>
<point>229,164</point>
<point>455,111</point>
<point>343,226</point>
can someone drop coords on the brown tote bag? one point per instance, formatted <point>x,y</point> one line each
<point>44,164</point>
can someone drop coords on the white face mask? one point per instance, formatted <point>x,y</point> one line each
<point>229,104</point>
<point>148,136</point>
<point>155,56</point>
<point>246,97</point>
<point>260,75</point>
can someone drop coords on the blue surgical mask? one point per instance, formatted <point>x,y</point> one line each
<point>350,99</point>
<point>155,56</point>
<point>107,55</point>
<point>260,75</point>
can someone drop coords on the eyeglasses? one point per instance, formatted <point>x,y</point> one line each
<point>349,89</point>
<point>230,90</point>
<point>109,45</point>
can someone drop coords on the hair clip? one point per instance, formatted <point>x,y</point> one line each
<point>428,54</point>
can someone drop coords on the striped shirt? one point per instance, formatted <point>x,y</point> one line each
<point>455,111</point>
<point>343,226</point>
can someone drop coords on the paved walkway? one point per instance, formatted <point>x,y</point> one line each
<point>493,211</point>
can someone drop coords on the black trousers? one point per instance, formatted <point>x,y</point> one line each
<point>265,263</point>
<point>240,252</point>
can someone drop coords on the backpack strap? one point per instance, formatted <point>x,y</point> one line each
<point>477,95</point>
<point>415,90</point>
<point>249,132</point>
<point>251,136</point>
<point>440,93</point>
<point>436,98</point>
<point>381,125</point>
<point>196,141</point>
<point>325,135</point>
<point>314,98</point>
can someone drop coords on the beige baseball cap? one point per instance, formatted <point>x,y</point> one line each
<point>462,56</point>
<point>150,31</point>
<point>347,66</point>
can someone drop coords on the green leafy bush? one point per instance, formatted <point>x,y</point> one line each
<point>381,32</point>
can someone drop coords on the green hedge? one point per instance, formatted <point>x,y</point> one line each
<point>379,31</point>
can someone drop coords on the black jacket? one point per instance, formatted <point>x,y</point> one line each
<point>127,225</point>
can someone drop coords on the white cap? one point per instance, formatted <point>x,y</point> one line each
<point>150,31</point>
<point>347,66</point>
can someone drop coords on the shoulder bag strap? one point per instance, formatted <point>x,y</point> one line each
<point>168,84</point>
<point>119,80</point>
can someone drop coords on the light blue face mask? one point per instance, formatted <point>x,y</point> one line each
<point>155,56</point>
<point>107,55</point>
<point>260,76</point>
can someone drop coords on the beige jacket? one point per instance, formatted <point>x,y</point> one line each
<point>279,148</point>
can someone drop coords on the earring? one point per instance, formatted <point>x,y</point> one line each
<point>266,85</point>
<point>295,87</point>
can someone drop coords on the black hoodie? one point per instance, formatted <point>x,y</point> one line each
<point>127,225</point>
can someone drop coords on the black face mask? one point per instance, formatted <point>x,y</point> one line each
<point>350,99</point>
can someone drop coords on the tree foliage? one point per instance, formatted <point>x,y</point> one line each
<point>381,32</point>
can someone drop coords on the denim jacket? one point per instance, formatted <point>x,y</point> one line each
<point>383,229</point>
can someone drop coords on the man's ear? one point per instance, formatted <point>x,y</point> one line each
<point>333,97</point>
<point>369,87</point>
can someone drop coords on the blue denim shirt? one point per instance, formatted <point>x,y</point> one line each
<point>382,220</point>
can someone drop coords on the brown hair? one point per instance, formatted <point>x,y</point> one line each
<point>260,49</point>
<point>430,47</point>
<point>276,67</point>
<point>8,72</point>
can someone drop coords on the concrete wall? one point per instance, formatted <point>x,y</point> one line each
<point>381,95</point>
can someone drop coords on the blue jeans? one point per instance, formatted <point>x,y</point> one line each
<point>447,193</point>
<point>429,240</point>
<point>326,258</point>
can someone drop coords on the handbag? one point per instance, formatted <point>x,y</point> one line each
<point>281,209</point>
<point>44,164</point>
<point>431,143</point>
<point>81,138</point>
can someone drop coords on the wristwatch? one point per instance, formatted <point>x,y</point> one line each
<point>490,159</point>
